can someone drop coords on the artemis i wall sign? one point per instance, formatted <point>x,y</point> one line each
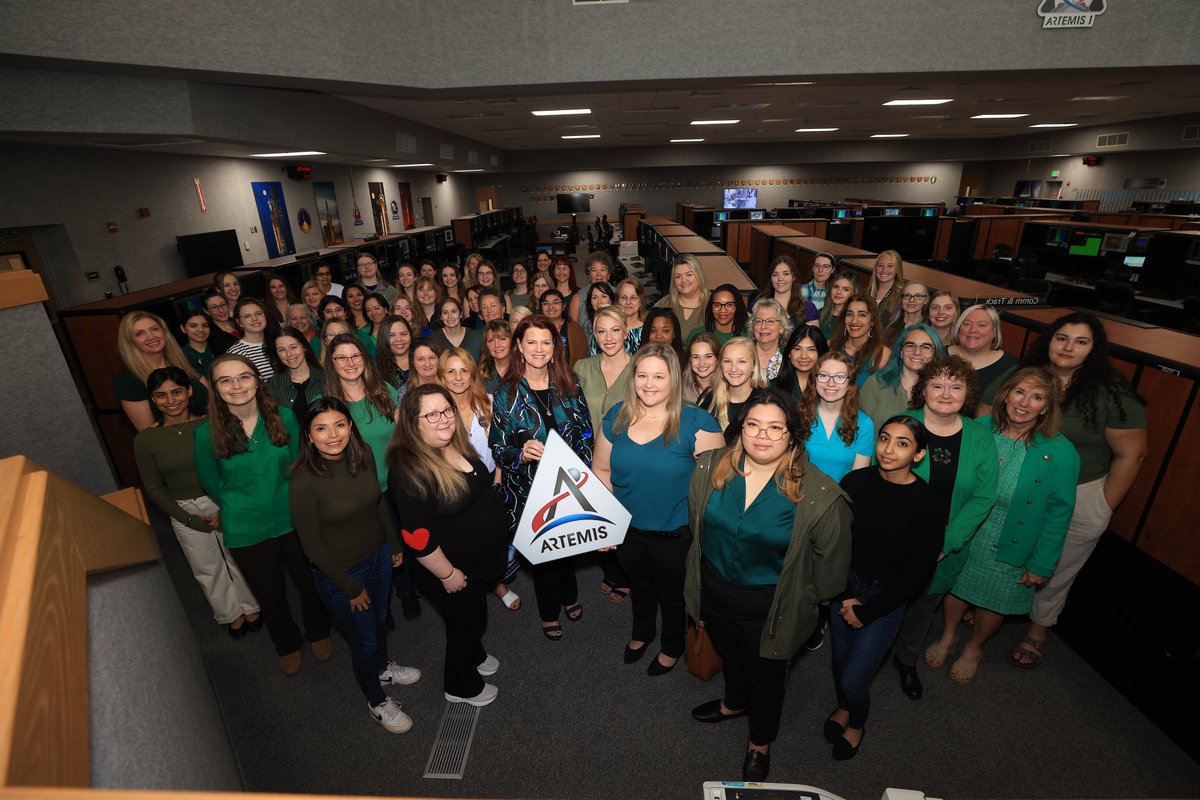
<point>1070,13</point>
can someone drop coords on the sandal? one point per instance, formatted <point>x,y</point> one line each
<point>574,612</point>
<point>552,632</point>
<point>935,654</point>
<point>617,595</point>
<point>962,670</point>
<point>607,586</point>
<point>1024,657</point>
<point>511,600</point>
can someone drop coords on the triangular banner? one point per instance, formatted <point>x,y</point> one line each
<point>569,511</point>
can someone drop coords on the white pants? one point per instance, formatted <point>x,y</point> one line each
<point>213,566</point>
<point>1088,523</point>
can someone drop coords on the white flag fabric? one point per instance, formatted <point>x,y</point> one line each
<point>569,510</point>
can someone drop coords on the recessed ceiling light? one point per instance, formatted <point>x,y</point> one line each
<point>998,116</point>
<point>936,102</point>
<point>376,160</point>
<point>561,112</point>
<point>294,154</point>
<point>468,170</point>
<point>583,136</point>
<point>888,135</point>
<point>684,141</point>
<point>816,130</point>
<point>715,121</point>
<point>1055,125</point>
<point>402,166</point>
<point>783,83</point>
<point>1100,98</point>
<point>1061,155</point>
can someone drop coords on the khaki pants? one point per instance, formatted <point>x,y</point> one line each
<point>1088,523</point>
<point>213,566</point>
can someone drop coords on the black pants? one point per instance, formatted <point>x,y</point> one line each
<point>465,615</point>
<point>555,586</point>
<point>914,630</point>
<point>613,574</point>
<point>655,567</point>
<point>734,617</point>
<point>264,565</point>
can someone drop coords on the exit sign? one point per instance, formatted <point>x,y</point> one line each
<point>299,172</point>
<point>1053,173</point>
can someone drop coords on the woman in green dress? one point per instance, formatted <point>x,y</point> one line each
<point>1017,547</point>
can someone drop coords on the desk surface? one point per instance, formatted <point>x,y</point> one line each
<point>1096,226</point>
<point>814,245</point>
<point>1150,346</point>
<point>692,245</point>
<point>964,288</point>
<point>779,229</point>
<point>674,230</point>
<point>723,269</point>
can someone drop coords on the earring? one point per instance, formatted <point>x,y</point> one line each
<point>870,333</point>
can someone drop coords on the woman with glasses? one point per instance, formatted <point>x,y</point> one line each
<point>914,310</point>
<point>323,274</point>
<point>771,540</point>
<point>886,393</point>
<point>817,289</point>
<point>862,337</point>
<point>599,271</point>
<point>331,330</point>
<point>688,296</point>
<point>770,326</point>
<point>451,524</point>
<point>841,289</point>
<point>224,333</point>
<point>243,454</point>
<point>540,284</point>
<point>574,340</point>
<point>350,377</point>
<point>167,466</point>
<point>392,360</point>
<point>348,536</point>
<point>631,297</point>
<point>701,367</point>
<point>896,535</point>
<point>145,345</point>
<point>539,394</point>
<point>839,436</point>
<point>784,289</point>
<point>369,279</point>
<point>976,335</point>
<point>452,333</point>
<point>725,317</point>
<point>645,454</point>
<point>257,329</point>
<point>485,278</point>
<point>804,346</point>
<point>519,294</point>
<point>298,381</point>
<point>943,311</point>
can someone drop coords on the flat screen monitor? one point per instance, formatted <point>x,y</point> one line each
<point>1085,244</point>
<point>928,212</point>
<point>741,198</point>
<point>756,215</point>
<point>210,252</point>
<point>449,236</point>
<point>430,242</point>
<point>722,216</point>
<point>839,213</point>
<point>1057,237</point>
<point>1115,243</point>
<point>548,249</point>
<point>404,247</point>
<point>1194,254</point>
<point>891,212</point>
<point>1140,242</point>
<point>858,212</point>
<point>574,202</point>
<point>1135,262</point>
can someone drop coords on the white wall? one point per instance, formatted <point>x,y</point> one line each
<point>1180,168</point>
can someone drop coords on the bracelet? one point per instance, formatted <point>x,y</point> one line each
<point>448,577</point>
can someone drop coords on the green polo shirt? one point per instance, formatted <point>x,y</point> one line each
<point>747,547</point>
<point>251,487</point>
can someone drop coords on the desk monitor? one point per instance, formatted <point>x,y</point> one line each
<point>740,198</point>
<point>928,212</point>
<point>1115,243</point>
<point>404,247</point>
<point>1140,242</point>
<point>722,216</point>
<point>1085,244</point>
<point>756,215</point>
<point>858,212</point>
<point>891,212</point>
<point>1134,262</point>
<point>449,236</point>
<point>839,213</point>
<point>548,249</point>
<point>1193,256</point>
<point>1057,237</point>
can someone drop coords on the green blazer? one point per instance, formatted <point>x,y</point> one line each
<point>1043,501</point>
<point>973,498</point>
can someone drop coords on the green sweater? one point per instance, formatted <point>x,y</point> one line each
<point>251,487</point>
<point>973,498</point>
<point>167,464</point>
<point>341,519</point>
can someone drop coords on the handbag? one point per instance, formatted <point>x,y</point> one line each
<point>702,658</point>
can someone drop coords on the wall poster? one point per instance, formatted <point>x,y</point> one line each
<point>272,213</point>
<point>327,213</point>
<point>379,208</point>
<point>406,206</point>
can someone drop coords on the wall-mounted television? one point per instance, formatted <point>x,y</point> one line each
<point>210,252</point>
<point>574,202</point>
<point>741,198</point>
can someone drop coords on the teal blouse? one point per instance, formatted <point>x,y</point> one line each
<point>747,547</point>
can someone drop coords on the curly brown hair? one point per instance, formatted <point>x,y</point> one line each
<point>950,367</point>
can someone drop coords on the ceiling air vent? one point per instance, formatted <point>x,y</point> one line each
<point>472,156</point>
<point>1112,140</point>
<point>447,151</point>
<point>1041,147</point>
<point>1191,133</point>
<point>406,143</point>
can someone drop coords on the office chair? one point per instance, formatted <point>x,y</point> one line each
<point>1191,313</point>
<point>1031,266</point>
<point>1075,297</point>
<point>1114,298</point>
<point>1033,286</point>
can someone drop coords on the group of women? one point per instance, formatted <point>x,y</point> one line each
<point>768,467</point>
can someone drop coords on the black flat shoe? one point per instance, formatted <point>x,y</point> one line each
<point>238,633</point>
<point>833,730</point>
<point>756,766</point>
<point>844,751</point>
<point>633,656</point>
<point>711,712</point>
<point>910,684</point>
<point>254,625</point>
<point>656,667</point>
<point>410,605</point>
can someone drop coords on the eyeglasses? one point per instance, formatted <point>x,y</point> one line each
<point>217,306</point>
<point>325,274</point>
<point>432,417</point>
<point>766,323</point>
<point>825,377</point>
<point>343,360</point>
<point>730,306</point>
<point>235,380</point>
<point>754,430</point>
<point>911,296</point>
<point>912,347</point>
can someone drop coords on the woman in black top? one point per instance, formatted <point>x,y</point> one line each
<point>896,538</point>
<point>451,520</point>
<point>299,379</point>
<point>347,535</point>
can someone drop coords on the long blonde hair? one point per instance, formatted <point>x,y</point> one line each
<point>719,405</point>
<point>694,264</point>
<point>632,409</point>
<point>135,362</point>
<point>423,467</point>
<point>476,396</point>
<point>891,306</point>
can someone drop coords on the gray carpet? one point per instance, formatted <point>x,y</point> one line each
<point>572,721</point>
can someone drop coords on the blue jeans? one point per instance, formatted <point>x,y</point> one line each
<point>364,630</point>
<point>857,653</point>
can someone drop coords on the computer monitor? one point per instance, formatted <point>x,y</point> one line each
<point>1057,237</point>
<point>574,202</point>
<point>1084,244</point>
<point>756,215</point>
<point>1134,262</point>
<point>740,198</point>
<point>891,212</point>
<point>722,216</point>
<point>404,247</point>
<point>449,236</point>
<point>1115,243</point>
<point>839,213</point>
<point>928,212</point>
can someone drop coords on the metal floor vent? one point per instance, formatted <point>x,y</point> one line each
<point>452,745</point>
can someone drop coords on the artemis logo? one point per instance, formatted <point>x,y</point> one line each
<point>567,483</point>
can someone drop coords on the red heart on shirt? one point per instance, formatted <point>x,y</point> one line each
<point>418,539</point>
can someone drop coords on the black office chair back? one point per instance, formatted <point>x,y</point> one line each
<point>1033,286</point>
<point>1114,298</point>
<point>1191,313</point>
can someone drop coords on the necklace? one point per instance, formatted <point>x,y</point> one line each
<point>180,424</point>
<point>544,406</point>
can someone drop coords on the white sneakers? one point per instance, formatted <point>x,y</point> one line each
<point>482,699</point>
<point>398,675</point>
<point>489,666</point>
<point>389,715</point>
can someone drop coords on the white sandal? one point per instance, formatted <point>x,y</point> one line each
<point>511,600</point>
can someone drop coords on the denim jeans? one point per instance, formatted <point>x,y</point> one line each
<point>857,653</point>
<point>364,630</point>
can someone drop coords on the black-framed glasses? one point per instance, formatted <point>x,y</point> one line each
<point>729,306</point>
<point>913,296</point>
<point>914,347</point>
<point>348,359</point>
<point>446,413</point>
<point>774,432</point>
<point>825,377</point>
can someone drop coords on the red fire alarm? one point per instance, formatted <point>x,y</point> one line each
<point>112,227</point>
<point>143,212</point>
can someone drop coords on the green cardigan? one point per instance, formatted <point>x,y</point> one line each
<point>973,498</point>
<point>1035,526</point>
<point>814,568</point>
